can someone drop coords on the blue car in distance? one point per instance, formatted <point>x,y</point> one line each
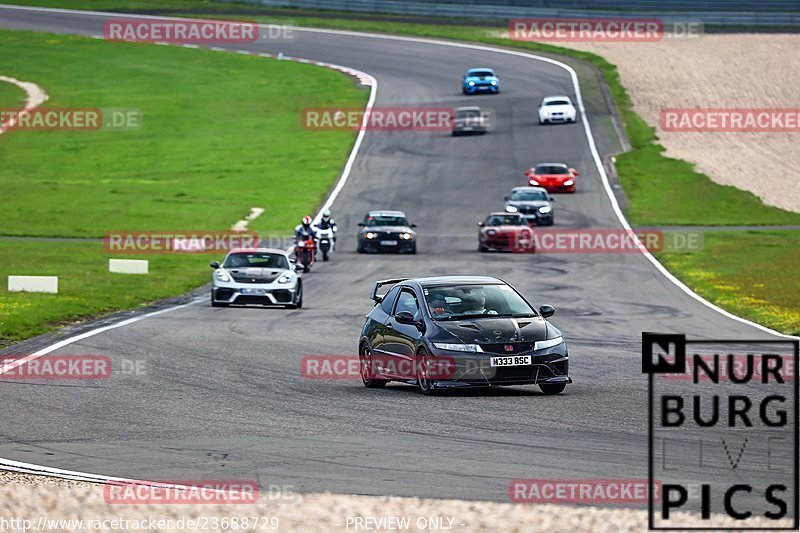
<point>480,80</point>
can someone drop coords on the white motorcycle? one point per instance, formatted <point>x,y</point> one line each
<point>326,242</point>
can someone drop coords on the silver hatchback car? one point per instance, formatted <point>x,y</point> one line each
<point>256,276</point>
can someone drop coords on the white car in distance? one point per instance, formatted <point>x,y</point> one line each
<point>557,109</point>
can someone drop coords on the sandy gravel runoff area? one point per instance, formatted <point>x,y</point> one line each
<point>44,501</point>
<point>720,71</point>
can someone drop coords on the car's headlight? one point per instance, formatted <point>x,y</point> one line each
<point>491,232</point>
<point>286,278</point>
<point>568,183</point>
<point>458,347</point>
<point>494,82</point>
<point>533,182</point>
<point>545,209</point>
<point>471,83</point>
<point>370,235</point>
<point>406,236</point>
<point>221,275</point>
<point>545,114</point>
<point>511,209</point>
<point>541,345</point>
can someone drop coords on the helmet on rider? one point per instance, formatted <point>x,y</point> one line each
<point>326,215</point>
<point>306,221</point>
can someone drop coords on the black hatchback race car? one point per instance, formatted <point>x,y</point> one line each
<point>459,331</point>
<point>386,231</point>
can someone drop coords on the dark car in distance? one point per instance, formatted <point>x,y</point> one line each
<point>386,231</point>
<point>460,331</point>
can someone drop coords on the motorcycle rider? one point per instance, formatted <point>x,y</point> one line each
<point>305,230</point>
<point>327,222</point>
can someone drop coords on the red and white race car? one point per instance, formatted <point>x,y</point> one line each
<point>506,232</point>
<point>555,177</point>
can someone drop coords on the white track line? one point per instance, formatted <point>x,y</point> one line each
<point>35,97</point>
<point>367,79</point>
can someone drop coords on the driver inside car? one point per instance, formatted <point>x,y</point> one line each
<point>474,303</point>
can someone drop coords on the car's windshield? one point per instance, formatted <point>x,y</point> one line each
<point>528,196</point>
<point>558,102</point>
<point>468,113</point>
<point>256,260</point>
<point>481,73</point>
<point>385,220</point>
<point>551,169</point>
<point>504,220</point>
<point>476,301</point>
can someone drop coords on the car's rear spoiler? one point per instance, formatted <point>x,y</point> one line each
<point>378,284</point>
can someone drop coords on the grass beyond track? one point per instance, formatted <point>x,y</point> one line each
<point>221,135</point>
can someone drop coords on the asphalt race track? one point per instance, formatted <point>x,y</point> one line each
<point>223,397</point>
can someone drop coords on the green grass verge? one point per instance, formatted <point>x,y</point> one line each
<point>11,96</point>
<point>221,134</point>
<point>86,287</point>
<point>763,290</point>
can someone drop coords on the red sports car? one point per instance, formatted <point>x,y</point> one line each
<point>555,177</point>
<point>506,231</point>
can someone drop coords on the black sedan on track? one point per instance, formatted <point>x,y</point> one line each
<point>460,331</point>
<point>386,231</point>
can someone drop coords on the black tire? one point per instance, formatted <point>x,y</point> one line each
<point>425,385</point>
<point>307,268</point>
<point>325,256</point>
<point>555,388</point>
<point>359,249</point>
<point>414,250</point>
<point>482,249</point>
<point>214,303</point>
<point>366,369</point>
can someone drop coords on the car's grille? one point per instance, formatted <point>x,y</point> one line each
<point>527,209</point>
<point>241,277</point>
<point>500,347</point>
<point>247,299</point>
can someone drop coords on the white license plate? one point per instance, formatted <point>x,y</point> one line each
<point>258,292</point>
<point>513,360</point>
<point>388,243</point>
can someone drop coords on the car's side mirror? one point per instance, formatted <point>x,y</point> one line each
<point>552,199</point>
<point>547,310</point>
<point>575,172</point>
<point>214,264</point>
<point>481,224</point>
<point>413,225</point>
<point>360,224</point>
<point>404,317</point>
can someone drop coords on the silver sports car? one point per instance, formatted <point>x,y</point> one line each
<point>259,276</point>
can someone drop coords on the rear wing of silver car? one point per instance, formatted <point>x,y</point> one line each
<point>377,298</point>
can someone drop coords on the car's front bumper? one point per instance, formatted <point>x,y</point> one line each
<point>375,246</point>
<point>474,370</point>
<point>481,88</point>
<point>254,293</point>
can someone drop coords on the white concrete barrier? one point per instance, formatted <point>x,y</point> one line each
<point>128,266</point>
<point>33,284</point>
